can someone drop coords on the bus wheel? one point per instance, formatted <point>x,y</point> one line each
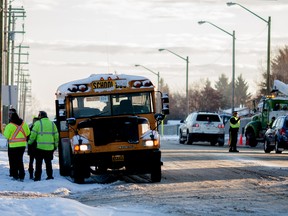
<point>156,173</point>
<point>79,180</point>
<point>77,176</point>
<point>65,157</point>
<point>78,171</point>
<point>251,138</point>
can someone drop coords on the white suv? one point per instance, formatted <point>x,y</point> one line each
<point>202,126</point>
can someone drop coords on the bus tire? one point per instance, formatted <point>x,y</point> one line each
<point>76,174</point>
<point>251,138</point>
<point>65,157</point>
<point>156,173</point>
<point>155,166</point>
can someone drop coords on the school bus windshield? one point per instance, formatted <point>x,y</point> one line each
<point>111,105</point>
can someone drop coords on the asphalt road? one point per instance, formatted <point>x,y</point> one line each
<point>200,179</point>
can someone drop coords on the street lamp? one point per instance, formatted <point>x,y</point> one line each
<point>268,45</point>
<point>158,81</point>
<point>233,60</point>
<point>187,62</point>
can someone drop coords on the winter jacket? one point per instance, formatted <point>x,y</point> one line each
<point>45,133</point>
<point>17,134</point>
<point>235,122</point>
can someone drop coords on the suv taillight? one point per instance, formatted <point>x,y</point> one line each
<point>221,126</point>
<point>282,131</point>
<point>195,125</point>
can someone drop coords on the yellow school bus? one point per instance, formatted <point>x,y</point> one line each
<point>108,123</point>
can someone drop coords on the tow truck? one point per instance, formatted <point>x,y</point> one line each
<point>273,105</point>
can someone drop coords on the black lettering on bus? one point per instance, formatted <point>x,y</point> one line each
<point>102,84</point>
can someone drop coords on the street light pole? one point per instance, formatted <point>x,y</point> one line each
<point>158,83</point>
<point>187,66</point>
<point>233,60</point>
<point>269,41</point>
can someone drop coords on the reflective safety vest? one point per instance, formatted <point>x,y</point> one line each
<point>45,133</point>
<point>237,125</point>
<point>17,134</point>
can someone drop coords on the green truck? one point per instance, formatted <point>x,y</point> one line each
<point>270,106</point>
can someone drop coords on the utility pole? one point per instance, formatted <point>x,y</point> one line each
<point>13,13</point>
<point>1,60</point>
<point>22,91</point>
<point>20,76</point>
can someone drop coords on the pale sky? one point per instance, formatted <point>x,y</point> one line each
<point>72,39</point>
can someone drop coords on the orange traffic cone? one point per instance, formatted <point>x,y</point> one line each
<point>241,140</point>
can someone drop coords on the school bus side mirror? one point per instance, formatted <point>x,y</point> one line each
<point>159,117</point>
<point>71,121</point>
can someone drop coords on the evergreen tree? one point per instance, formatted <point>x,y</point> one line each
<point>279,70</point>
<point>177,104</point>
<point>241,92</point>
<point>210,98</point>
<point>224,89</point>
<point>279,66</point>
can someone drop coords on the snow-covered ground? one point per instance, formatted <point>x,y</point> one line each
<point>45,197</point>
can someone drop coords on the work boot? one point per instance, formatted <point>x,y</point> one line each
<point>37,179</point>
<point>50,177</point>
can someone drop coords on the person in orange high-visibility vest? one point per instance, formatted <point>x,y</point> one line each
<point>11,110</point>
<point>16,133</point>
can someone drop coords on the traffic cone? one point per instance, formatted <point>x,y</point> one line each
<point>241,140</point>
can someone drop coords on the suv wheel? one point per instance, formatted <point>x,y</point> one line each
<point>181,138</point>
<point>267,147</point>
<point>213,143</point>
<point>189,138</point>
<point>277,151</point>
<point>221,140</point>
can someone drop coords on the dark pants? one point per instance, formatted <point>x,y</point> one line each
<point>31,153</point>
<point>9,159</point>
<point>47,156</point>
<point>16,162</point>
<point>233,138</point>
<point>30,168</point>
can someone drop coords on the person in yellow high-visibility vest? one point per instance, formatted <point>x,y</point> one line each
<point>11,110</point>
<point>45,133</point>
<point>16,133</point>
<point>233,130</point>
<point>31,151</point>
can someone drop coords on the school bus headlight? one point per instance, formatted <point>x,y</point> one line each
<point>83,147</point>
<point>150,143</point>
